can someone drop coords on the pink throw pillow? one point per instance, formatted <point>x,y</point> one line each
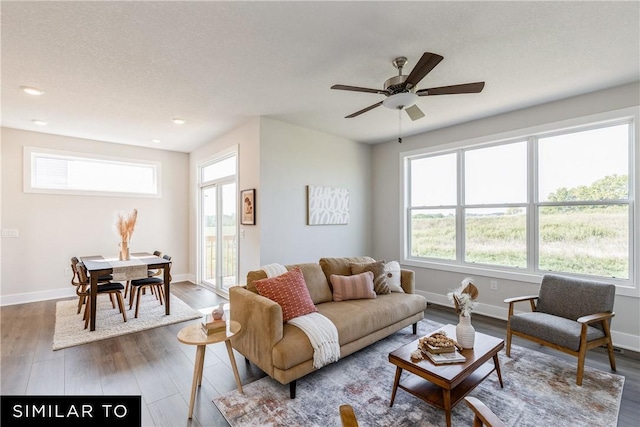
<point>290,291</point>
<point>357,286</point>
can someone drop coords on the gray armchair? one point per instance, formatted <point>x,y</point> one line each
<point>568,314</point>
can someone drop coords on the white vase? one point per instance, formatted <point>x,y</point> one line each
<point>465,332</point>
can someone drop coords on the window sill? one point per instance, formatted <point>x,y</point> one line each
<point>623,287</point>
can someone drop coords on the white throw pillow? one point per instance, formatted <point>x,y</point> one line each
<point>392,271</point>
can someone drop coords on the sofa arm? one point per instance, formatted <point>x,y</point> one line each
<point>407,281</point>
<point>261,320</point>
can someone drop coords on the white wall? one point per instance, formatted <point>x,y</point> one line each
<point>1,214</point>
<point>247,139</point>
<point>435,284</point>
<point>53,228</point>
<point>291,158</point>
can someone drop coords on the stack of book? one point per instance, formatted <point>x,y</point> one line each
<point>449,357</point>
<point>211,325</point>
<point>437,350</point>
<point>440,349</point>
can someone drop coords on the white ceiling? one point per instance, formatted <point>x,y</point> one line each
<point>120,71</point>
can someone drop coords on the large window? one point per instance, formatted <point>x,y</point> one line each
<point>54,171</point>
<point>545,202</point>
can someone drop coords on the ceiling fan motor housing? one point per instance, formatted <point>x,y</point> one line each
<point>395,85</point>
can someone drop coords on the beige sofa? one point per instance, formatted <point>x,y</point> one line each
<point>284,352</point>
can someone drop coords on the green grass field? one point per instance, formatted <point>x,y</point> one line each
<point>586,241</point>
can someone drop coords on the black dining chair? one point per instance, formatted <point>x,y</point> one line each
<point>82,287</point>
<point>150,273</point>
<point>153,282</point>
<point>111,288</point>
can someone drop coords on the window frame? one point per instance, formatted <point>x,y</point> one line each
<point>31,153</point>
<point>531,273</point>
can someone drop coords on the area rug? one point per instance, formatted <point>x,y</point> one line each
<point>69,329</point>
<point>539,390</point>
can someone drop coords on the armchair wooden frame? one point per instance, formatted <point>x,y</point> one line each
<point>585,345</point>
<point>348,416</point>
<point>483,416</point>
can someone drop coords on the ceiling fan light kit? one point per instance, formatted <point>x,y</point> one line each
<point>400,90</point>
<point>400,101</point>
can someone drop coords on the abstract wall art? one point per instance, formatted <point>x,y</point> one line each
<point>327,205</point>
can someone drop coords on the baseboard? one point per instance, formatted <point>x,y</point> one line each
<point>27,297</point>
<point>620,339</point>
<point>66,292</point>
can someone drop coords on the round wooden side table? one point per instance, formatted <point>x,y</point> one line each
<point>193,335</point>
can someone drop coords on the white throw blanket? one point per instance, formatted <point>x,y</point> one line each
<point>323,335</point>
<point>321,331</point>
<point>274,270</point>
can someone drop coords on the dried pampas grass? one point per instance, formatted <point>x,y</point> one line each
<point>464,297</point>
<point>126,224</point>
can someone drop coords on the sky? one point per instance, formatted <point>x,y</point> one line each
<point>499,174</point>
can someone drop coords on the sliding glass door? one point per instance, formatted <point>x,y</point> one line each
<point>219,225</point>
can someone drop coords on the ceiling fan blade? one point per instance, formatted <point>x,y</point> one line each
<point>422,68</point>
<point>358,89</point>
<point>364,110</point>
<point>451,90</point>
<point>414,112</point>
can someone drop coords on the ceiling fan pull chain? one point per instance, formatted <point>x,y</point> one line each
<point>399,126</point>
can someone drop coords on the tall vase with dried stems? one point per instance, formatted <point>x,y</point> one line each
<point>124,251</point>
<point>465,332</point>
<point>464,299</point>
<point>125,227</point>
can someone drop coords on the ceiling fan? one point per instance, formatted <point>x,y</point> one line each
<point>401,92</point>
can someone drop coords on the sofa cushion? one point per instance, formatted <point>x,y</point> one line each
<point>379,277</point>
<point>357,286</point>
<point>340,266</point>
<point>354,319</point>
<point>290,291</point>
<point>313,276</point>
<point>393,274</point>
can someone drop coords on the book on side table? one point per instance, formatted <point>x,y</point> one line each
<point>450,357</point>
<point>211,325</point>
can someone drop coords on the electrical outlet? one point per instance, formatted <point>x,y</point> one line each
<point>494,285</point>
<point>10,232</point>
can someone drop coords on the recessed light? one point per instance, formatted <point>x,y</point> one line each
<point>31,90</point>
<point>39,122</point>
<point>178,121</point>
<point>156,140</point>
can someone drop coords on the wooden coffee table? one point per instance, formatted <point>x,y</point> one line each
<point>443,386</point>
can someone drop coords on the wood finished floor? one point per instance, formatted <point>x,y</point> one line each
<point>156,366</point>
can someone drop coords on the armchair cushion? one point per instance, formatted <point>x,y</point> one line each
<point>558,297</point>
<point>555,329</point>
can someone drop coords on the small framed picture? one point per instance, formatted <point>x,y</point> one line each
<point>248,206</point>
